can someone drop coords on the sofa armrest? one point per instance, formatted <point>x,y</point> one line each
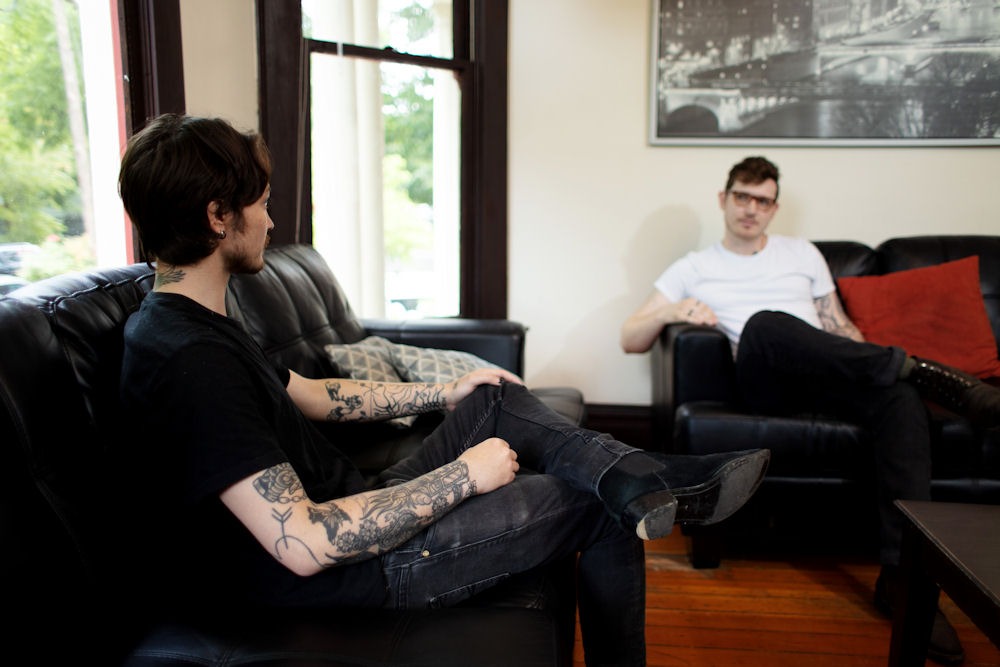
<point>498,341</point>
<point>690,363</point>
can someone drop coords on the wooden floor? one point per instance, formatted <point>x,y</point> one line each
<point>810,610</point>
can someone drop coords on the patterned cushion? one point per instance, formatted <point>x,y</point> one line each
<point>369,359</point>
<point>424,364</point>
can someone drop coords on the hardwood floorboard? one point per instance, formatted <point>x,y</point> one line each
<point>778,611</point>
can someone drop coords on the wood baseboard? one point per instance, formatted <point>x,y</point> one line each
<point>632,424</point>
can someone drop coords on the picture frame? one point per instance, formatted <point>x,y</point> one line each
<point>825,72</point>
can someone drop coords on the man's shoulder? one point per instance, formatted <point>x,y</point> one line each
<point>794,246</point>
<point>795,242</point>
<point>708,253</point>
<point>170,323</point>
<point>691,261</point>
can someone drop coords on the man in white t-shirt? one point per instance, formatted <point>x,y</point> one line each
<point>796,350</point>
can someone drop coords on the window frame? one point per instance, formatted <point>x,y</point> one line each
<point>152,70</point>
<point>480,57</point>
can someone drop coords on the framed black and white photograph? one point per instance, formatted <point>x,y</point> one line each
<point>825,72</point>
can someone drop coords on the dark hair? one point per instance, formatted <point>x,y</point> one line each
<point>753,170</point>
<point>174,168</point>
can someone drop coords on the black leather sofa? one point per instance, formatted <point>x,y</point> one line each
<point>67,570</point>
<point>820,467</point>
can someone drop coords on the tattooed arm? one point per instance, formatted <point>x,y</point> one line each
<point>307,537</point>
<point>834,319</point>
<point>357,400</point>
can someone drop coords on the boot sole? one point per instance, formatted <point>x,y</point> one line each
<point>653,514</point>
<point>727,491</point>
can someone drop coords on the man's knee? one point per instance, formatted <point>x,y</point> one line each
<point>763,328</point>
<point>768,321</point>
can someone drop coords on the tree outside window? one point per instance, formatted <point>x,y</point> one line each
<point>47,211</point>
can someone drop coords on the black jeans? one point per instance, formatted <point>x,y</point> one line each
<point>540,517</point>
<point>786,366</point>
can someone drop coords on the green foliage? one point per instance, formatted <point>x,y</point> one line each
<point>37,180</point>
<point>419,21</point>
<point>407,229</point>
<point>408,108</point>
<point>409,132</point>
<point>58,255</point>
<point>34,99</point>
<point>39,188</point>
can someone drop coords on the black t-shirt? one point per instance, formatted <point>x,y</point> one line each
<point>210,410</point>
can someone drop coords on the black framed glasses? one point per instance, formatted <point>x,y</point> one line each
<point>744,198</point>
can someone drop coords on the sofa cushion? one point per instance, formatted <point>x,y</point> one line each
<point>935,312</point>
<point>368,359</point>
<point>913,252</point>
<point>425,364</point>
<point>379,359</point>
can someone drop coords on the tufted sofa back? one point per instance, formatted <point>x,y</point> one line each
<point>61,347</point>
<point>293,308</point>
<point>59,364</point>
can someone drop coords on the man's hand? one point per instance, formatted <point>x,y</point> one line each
<point>642,327</point>
<point>694,311</point>
<point>492,464</point>
<point>465,385</point>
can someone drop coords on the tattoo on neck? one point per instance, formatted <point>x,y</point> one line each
<point>167,275</point>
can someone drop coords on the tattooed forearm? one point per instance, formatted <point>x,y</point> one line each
<point>385,518</point>
<point>833,318</point>
<point>377,400</point>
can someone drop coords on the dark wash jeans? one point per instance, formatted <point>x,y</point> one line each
<point>536,519</point>
<point>785,366</point>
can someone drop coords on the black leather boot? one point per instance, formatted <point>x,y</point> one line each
<point>945,647</point>
<point>712,487</point>
<point>686,489</point>
<point>959,392</point>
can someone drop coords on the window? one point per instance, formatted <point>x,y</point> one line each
<point>427,216</point>
<point>60,140</point>
<point>385,147</point>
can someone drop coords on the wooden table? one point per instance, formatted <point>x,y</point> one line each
<point>954,546</point>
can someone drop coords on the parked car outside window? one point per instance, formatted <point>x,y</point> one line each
<point>12,256</point>
<point>10,283</point>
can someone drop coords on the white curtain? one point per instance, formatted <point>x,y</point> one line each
<point>347,149</point>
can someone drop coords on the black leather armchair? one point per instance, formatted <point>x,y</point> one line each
<point>816,462</point>
<point>67,571</point>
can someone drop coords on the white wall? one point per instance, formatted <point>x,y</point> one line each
<point>219,45</point>
<point>595,212</point>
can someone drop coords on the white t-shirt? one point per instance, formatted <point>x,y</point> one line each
<point>787,275</point>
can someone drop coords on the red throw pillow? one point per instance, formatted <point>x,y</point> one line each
<point>935,312</point>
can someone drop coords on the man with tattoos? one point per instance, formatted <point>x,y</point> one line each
<point>774,298</point>
<point>250,507</point>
